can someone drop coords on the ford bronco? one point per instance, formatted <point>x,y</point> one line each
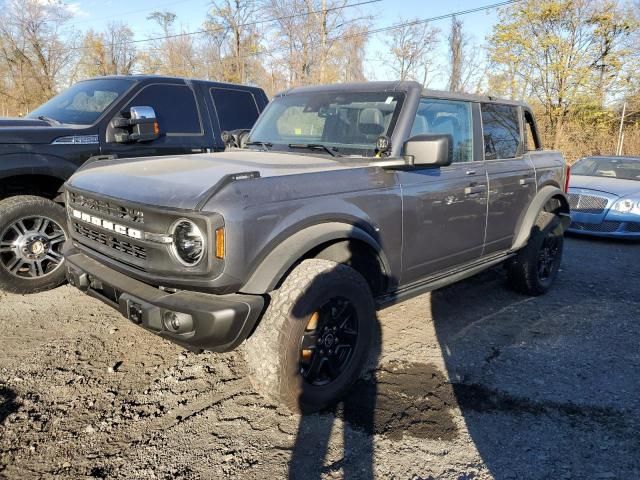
<point>345,199</point>
<point>119,116</point>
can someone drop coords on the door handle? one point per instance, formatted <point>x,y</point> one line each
<point>527,181</point>
<point>470,172</point>
<point>473,190</point>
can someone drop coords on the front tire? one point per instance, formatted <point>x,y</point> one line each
<point>315,337</point>
<point>536,266</point>
<point>32,231</point>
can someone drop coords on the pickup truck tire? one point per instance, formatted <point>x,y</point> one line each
<point>32,231</point>
<point>536,266</point>
<point>318,302</point>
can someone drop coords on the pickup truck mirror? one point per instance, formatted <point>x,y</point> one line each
<point>139,124</point>
<point>434,149</point>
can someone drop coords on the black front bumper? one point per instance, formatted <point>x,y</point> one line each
<point>197,321</point>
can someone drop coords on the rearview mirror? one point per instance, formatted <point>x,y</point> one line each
<point>425,150</point>
<point>139,124</point>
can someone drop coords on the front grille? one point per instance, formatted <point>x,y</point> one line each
<point>587,203</point>
<point>604,227</point>
<point>633,227</point>
<point>110,241</point>
<point>105,208</point>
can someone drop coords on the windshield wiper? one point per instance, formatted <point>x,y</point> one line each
<point>316,146</point>
<point>265,145</point>
<point>49,120</point>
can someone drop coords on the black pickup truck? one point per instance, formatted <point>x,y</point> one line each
<point>106,117</point>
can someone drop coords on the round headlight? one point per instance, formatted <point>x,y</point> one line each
<point>188,242</point>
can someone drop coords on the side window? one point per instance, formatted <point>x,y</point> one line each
<point>235,108</point>
<point>175,107</point>
<point>501,127</point>
<point>450,117</point>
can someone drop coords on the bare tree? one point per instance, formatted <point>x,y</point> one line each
<point>322,42</point>
<point>232,26</point>
<point>108,53</point>
<point>412,50</point>
<point>456,55</point>
<point>35,52</point>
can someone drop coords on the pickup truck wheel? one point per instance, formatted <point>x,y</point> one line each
<point>32,231</point>
<point>536,266</point>
<point>315,337</point>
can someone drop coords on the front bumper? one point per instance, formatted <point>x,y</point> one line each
<point>197,321</point>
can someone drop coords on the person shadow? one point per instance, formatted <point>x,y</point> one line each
<point>8,403</point>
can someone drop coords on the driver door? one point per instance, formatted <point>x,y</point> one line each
<point>444,208</point>
<point>181,128</point>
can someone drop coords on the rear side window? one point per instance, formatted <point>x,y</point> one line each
<point>236,109</point>
<point>501,127</point>
<point>175,107</point>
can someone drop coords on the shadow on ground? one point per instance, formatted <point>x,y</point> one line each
<point>546,385</point>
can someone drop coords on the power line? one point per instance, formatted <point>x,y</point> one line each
<point>221,29</point>
<point>337,38</point>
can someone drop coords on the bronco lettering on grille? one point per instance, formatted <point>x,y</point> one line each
<point>107,225</point>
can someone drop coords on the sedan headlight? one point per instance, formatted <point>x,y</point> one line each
<point>627,205</point>
<point>188,242</point>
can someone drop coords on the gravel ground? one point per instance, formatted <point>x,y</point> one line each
<point>471,382</point>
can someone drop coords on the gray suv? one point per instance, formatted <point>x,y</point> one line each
<point>341,200</point>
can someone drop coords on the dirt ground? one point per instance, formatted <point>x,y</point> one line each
<point>471,382</point>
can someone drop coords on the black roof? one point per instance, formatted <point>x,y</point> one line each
<point>398,86</point>
<point>148,77</point>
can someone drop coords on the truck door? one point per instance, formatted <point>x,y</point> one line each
<point>233,109</point>
<point>512,181</point>
<point>179,118</point>
<point>444,208</point>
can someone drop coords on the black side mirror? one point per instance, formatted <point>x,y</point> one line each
<point>425,150</point>
<point>139,124</point>
<point>235,138</point>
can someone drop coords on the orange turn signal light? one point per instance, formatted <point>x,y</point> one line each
<point>156,128</point>
<point>220,243</point>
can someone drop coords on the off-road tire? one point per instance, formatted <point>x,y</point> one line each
<point>11,210</point>
<point>272,352</point>
<point>523,271</point>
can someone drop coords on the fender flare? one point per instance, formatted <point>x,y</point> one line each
<point>545,194</point>
<point>286,254</point>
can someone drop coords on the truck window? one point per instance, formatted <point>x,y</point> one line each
<point>450,117</point>
<point>175,107</point>
<point>501,128</point>
<point>235,108</point>
<point>84,102</point>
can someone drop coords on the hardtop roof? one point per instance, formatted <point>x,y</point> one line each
<point>397,86</point>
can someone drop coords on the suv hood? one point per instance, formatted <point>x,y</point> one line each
<point>616,186</point>
<point>31,131</point>
<point>184,181</point>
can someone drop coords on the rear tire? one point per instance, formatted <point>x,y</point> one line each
<point>32,231</point>
<point>307,311</point>
<point>536,266</point>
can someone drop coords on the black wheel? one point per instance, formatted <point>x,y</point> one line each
<point>32,231</point>
<point>536,266</point>
<point>315,337</point>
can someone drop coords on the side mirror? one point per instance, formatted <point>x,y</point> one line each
<point>139,124</point>
<point>425,150</point>
<point>235,138</point>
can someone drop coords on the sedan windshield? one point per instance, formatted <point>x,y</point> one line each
<point>624,168</point>
<point>83,103</point>
<point>347,123</point>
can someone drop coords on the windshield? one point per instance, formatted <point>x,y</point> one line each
<point>348,123</point>
<point>624,168</point>
<point>84,102</point>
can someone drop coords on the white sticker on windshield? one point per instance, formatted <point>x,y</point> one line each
<point>389,100</point>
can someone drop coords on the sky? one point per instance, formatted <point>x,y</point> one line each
<point>97,14</point>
